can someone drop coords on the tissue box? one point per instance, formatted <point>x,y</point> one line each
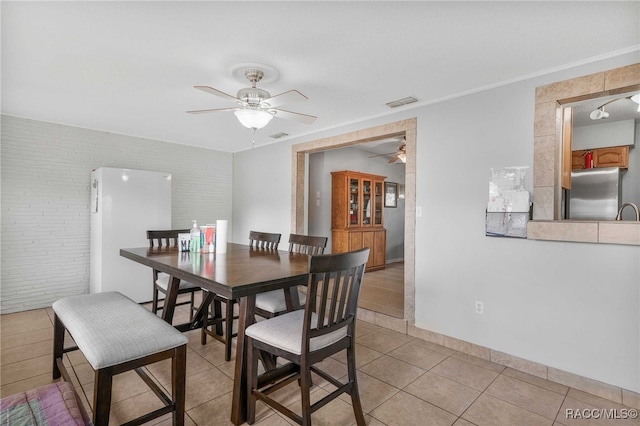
<point>183,242</point>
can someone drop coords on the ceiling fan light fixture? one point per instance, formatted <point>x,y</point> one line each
<point>402,157</point>
<point>253,118</point>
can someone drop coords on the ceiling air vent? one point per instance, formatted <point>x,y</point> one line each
<point>279,135</point>
<point>400,102</point>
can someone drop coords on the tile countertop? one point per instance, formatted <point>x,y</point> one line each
<point>589,231</point>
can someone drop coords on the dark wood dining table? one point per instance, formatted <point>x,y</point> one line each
<point>239,274</point>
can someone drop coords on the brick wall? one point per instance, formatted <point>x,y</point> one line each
<point>45,221</point>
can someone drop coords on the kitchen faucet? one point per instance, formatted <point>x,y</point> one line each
<point>619,217</point>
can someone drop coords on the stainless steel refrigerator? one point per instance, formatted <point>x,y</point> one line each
<point>124,205</point>
<point>595,193</point>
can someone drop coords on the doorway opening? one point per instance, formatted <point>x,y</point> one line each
<point>404,128</point>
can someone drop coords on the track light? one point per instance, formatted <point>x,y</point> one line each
<point>636,98</point>
<point>598,114</point>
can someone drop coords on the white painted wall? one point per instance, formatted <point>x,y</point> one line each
<point>566,305</point>
<point>601,135</point>
<point>571,306</point>
<point>45,201</point>
<point>262,192</point>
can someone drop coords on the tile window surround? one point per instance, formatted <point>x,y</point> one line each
<point>547,159</point>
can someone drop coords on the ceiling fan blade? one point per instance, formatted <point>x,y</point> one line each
<point>219,93</point>
<point>296,116</point>
<point>394,159</point>
<point>202,111</point>
<point>285,98</point>
<point>382,155</point>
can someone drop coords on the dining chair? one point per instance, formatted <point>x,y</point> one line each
<point>273,303</point>
<point>307,244</point>
<point>265,240</point>
<point>169,238</point>
<point>215,320</point>
<point>305,337</point>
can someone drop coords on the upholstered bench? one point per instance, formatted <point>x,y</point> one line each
<point>115,335</point>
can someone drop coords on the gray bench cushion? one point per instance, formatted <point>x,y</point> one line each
<point>110,328</point>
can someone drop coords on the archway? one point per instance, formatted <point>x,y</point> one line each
<point>406,128</point>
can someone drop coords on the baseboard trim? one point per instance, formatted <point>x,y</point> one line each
<point>594,387</point>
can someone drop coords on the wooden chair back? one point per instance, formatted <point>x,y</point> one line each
<point>264,240</point>
<point>332,293</point>
<point>307,244</point>
<point>165,238</point>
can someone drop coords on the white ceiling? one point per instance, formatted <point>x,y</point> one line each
<point>130,67</point>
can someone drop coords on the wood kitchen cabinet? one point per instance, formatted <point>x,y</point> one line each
<point>357,215</point>
<point>616,156</point>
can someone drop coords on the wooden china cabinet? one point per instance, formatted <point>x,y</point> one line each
<point>357,215</point>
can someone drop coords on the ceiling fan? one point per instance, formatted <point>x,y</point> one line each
<point>400,154</point>
<point>256,107</point>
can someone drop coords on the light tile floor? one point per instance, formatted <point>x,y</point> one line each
<point>403,381</point>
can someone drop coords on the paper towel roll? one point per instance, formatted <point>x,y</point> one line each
<point>221,236</point>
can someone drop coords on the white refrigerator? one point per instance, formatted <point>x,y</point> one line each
<point>125,204</point>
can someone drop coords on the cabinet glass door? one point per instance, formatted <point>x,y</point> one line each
<point>354,190</point>
<point>366,202</point>
<point>377,217</point>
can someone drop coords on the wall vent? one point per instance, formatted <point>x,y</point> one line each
<point>279,135</point>
<point>400,102</point>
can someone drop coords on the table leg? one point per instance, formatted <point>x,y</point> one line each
<point>170,299</point>
<point>239,396</point>
<point>201,314</point>
<point>198,318</point>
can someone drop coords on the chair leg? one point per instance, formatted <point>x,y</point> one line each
<point>252,379</point>
<point>217,314</point>
<point>355,394</point>
<point>205,324</point>
<point>178,383</point>
<point>305,390</point>
<point>213,318</point>
<point>228,333</point>
<point>191,305</point>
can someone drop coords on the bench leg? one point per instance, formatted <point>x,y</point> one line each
<point>178,383</point>
<point>58,345</point>
<point>102,396</point>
